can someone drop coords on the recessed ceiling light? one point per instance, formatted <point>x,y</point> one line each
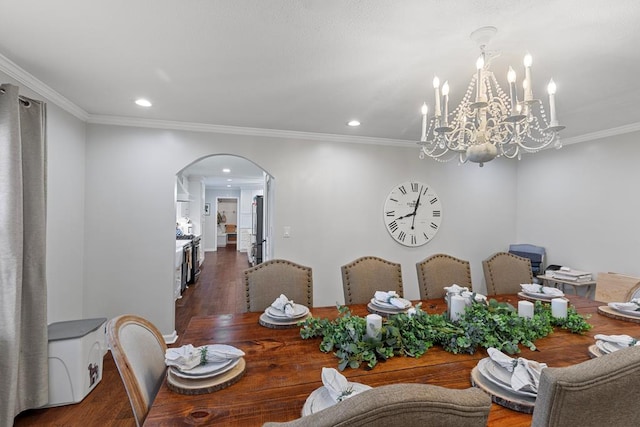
<point>229,185</point>
<point>226,170</point>
<point>143,102</point>
<point>353,123</point>
<point>229,180</point>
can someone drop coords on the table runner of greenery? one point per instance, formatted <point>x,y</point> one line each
<point>484,324</point>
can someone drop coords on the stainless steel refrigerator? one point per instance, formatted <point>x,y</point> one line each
<point>257,231</point>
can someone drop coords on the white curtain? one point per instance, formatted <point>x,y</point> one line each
<point>23,298</point>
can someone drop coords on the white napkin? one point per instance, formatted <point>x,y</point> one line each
<point>392,298</point>
<point>633,305</point>
<point>188,357</point>
<point>337,385</point>
<point>284,304</point>
<point>539,289</point>
<point>465,292</point>
<point>619,340</point>
<point>525,374</point>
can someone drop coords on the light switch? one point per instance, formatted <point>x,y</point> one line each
<point>287,232</point>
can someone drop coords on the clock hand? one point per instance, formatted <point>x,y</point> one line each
<point>415,209</point>
<point>406,216</point>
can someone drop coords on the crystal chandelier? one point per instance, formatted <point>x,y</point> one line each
<point>488,122</point>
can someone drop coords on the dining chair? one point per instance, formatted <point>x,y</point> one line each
<point>440,270</point>
<point>266,281</point>
<point>614,287</point>
<point>404,405</point>
<point>599,392</point>
<point>505,272</point>
<point>138,350</point>
<point>364,276</point>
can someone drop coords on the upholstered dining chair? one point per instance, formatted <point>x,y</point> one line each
<point>440,270</point>
<point>364,276</point>
<point>614,287</point>
<point>266,281</point>
<point>505,272</point>
<point>599,392</point>
<point>138,350</point>
<point>403,405</point>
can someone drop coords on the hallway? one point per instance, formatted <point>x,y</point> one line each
<point>220,289</point>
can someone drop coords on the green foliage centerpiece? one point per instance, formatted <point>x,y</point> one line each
<point>484,324</point>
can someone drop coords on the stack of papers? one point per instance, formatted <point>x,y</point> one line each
<point>566,273</point>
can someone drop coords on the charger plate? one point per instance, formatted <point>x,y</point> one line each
<point>385,312</point>
<point>499,394</point>
<point>299,311</point>
<point>605,310</point>
<point>320,398</point>
<point>269,322</point>
<point>206,385</point>
<point>533,298</point>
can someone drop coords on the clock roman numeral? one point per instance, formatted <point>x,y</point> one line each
<point>402,236</point>
<point>425,236</point>
<point>392,213</point>
<point>434,226</point>
<point>436,213</point>
<point>393,226</point>
<point>402,189</point>
<point>413,239</point>
<point>424,192</point>
<point>393,200</point>
<point>414,187</point>
<point>432,201</point>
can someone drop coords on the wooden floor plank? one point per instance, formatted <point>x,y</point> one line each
<point>220,289</point>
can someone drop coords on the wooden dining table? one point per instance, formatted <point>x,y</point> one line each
<point>282,369</point>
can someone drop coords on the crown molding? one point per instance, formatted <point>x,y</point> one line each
<point>236,130</point>
<point>14,71</point>
<point>606,133</point>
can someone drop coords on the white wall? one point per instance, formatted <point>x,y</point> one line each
<point>582,204</point>
<point>66,137</point>
<point>330,194</point>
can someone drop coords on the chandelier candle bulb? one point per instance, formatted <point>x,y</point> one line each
<point>374,325</point>
<point>511,77</point>
<point>445,96</point>
<point>424,122</point>
<point>436,86</point>
<point>551,89</point>
<point>525,309</point>
<point>559,308</point>
<point>479,65</point>
<point>528,93</point>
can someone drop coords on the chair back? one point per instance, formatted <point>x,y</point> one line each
<point>138,350</point>
<point>364,276</point>
<point>266,281</point>
<point>535,254</point>
<point>440,270</point>
<point>614,287</point>
<point>599,392</point>
<point>405,405</point>
<point>505,272</point>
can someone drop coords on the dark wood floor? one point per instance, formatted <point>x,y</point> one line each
<point>219,290</point>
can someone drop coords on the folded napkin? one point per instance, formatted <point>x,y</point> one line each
<point>337,385</point>
<point>465,292</point>
<point>284,304</point>
<point>188,357</point>
<point>392,298</point>
<point>633,305</point>
<point>525,374</point>
<point>620,340</point>
<point>539,289</point>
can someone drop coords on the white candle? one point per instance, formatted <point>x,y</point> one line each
<point>436,86</point>
<point>528,93</point>
<point>511,77</point>
<point>525,309</point>
<point>424,122</point>
<point>559,308</point>
<point>374,325</point>
<point>552,102</point>
<point>457,306</point>
<point>445,96</point>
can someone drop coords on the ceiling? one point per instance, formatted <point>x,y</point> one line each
<point>312,65</point>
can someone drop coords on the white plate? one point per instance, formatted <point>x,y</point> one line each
<point>207,370</point>
<point>499,376</point>
<point>543,296</point>
<point>299,310</point>
<point>320,398</point>
<point>627,312</point>
<point>389,306</point>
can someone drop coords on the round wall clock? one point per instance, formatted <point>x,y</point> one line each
<point>412,213</point>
